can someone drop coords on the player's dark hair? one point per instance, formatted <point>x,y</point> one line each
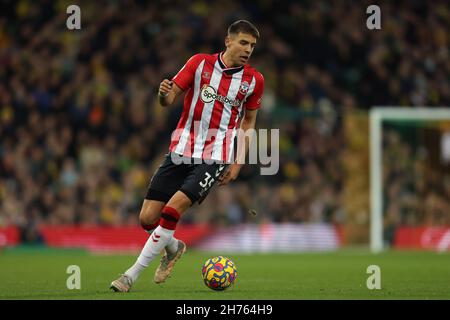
<point>243,26</point>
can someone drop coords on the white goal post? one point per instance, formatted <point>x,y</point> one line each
<point>379,114</point>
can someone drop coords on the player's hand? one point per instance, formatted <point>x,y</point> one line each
<point>165,87</point>
<point>230,174</point>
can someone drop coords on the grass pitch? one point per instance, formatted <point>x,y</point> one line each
<point>41,274</point>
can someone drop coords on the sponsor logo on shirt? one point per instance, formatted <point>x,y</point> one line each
<point>209,94</point>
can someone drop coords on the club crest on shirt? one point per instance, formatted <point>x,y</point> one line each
<point>244,87</point>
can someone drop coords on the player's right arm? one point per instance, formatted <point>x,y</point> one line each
<point>168,92</point>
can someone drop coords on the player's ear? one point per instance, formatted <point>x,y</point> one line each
<point>227,41</point>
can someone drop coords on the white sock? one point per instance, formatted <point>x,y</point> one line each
<point>172,247</point>
<point>135,271</point>
<point>137,268</point>
<point>152,248</point>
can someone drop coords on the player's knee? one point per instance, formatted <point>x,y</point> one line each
<point>148,220</point>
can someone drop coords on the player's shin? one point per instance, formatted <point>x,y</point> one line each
<point>171,247</point>
<point>158,240</point>
<point>168,221</point>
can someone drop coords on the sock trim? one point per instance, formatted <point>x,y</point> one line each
<point>148,227</point>
<point>169,218</point>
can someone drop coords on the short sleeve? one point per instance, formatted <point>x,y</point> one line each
<point>185,77</point>
<point>254,100</point>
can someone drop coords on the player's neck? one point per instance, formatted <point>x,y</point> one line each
<point>227,61</point>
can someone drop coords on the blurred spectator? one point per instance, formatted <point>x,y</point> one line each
<point>81,132</point>
<point>415,193</point>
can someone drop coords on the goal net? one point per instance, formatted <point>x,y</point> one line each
<point>409,177</point>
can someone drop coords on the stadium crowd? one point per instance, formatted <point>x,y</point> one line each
<point>416,193</point>
<point>81,132</point>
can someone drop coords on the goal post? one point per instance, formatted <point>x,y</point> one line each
<point>377,115</point>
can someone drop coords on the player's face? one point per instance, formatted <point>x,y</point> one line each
<point>240,47</point>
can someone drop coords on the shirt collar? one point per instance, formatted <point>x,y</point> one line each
<point>227,69</point>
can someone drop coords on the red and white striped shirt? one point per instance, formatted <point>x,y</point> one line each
<point>213,106</point>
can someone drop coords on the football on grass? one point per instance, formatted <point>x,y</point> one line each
<point>219,273</point>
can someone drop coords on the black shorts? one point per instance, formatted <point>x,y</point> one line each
<point>193,179</point>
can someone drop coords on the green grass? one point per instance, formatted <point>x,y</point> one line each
<point>41,274</point>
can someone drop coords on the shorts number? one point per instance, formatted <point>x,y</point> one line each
<point>209,180</point>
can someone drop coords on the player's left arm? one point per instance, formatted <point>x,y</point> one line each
<point>244,138</point>
<point>243,143</point>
